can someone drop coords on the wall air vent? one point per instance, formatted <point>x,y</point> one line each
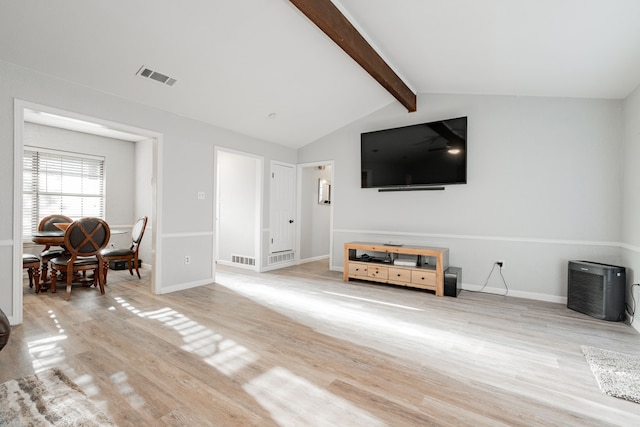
<point>154,75</point>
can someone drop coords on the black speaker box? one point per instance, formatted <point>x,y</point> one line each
<point>122,265</point>
<point>452,281</point>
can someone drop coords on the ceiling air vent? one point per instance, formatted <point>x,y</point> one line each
<point>154,75</point>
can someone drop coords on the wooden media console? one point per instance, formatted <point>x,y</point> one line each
<point>412,266</point>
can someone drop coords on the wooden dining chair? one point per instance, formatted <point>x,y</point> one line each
<point>32,264</point>
<point>123,254</point>
<point>48,253</point>
<point>84,239</point>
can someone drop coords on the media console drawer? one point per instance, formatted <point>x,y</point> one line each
<point>358,269</point>
<point>425,278</point>
<point>378,272</point>
<point>373,261</point>
<point>399,274</point>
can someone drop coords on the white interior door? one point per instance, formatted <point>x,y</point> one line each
<point>282,207</point>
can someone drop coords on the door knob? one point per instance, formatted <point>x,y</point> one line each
<point>290,221</point>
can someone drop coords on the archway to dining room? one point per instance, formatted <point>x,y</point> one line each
<point>130,157</point>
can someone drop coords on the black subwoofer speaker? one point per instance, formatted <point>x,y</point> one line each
<point>123,265</point>
<point>452,281</point>
<point>597,289</point>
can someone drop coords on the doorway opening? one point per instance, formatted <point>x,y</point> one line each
<point>238,209</point>
<point>31,118</point>
<point>315,211</point>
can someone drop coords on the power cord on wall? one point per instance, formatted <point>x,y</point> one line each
<point>631,310</point>
<point>499,265</point>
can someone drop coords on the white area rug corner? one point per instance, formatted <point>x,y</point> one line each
<point>618,374</point>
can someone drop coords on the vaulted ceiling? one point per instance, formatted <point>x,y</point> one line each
<point>237,62</point>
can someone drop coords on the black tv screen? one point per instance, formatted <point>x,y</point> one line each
<point>426,154</point>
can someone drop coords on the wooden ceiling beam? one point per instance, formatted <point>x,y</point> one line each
<point>334,24</point>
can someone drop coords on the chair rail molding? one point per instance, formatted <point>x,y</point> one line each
<point>492,238</point>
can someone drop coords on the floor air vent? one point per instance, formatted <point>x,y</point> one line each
<point>281,257</point>
<point>244,260</point>
<point>154,75</point>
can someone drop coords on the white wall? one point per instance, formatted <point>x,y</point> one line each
<point>544,187</point>
<point>631,196</point>
<point>314,217</point>
<point>185,223</point>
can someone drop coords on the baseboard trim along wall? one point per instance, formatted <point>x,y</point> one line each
<point>188,285</point>
<point>312,259</point>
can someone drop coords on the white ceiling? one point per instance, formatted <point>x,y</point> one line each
<point>237,62</point>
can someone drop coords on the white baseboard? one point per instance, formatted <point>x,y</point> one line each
<point>183,286</point>
<point>292,263</point>
<point>517,294</point>
<point>500,291</point>
<point>236,265</point>
<point>272,267</point>
<point>317,258</point>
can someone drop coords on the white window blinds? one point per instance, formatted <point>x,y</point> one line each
<point>60,183</point>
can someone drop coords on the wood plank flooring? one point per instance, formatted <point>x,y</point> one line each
<point>299,347</point>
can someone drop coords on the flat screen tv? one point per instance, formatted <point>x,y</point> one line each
<point>421,155</point>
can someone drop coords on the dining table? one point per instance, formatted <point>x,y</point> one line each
<point>56,237</point>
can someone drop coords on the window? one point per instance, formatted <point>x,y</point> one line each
<point>57,182</point>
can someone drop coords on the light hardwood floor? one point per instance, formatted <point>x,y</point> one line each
<point>299,347</point>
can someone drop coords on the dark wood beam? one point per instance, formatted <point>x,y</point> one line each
<point>334,24</point>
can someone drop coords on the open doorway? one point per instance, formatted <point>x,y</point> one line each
<point>315,211</point>
<point>238,209</point>
<point>33,120</point>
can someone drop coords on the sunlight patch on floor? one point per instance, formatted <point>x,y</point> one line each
<point>357,317</point>
<point>46,352</point>
<point>350,313</point>
<point>120,379</point>
<point>128,306</point>
<point>291,400</point>
<point>56,321</point>
<point>85,382</point>
<point>406,307</point>
<point>224,354</point>
<point>294,401</point>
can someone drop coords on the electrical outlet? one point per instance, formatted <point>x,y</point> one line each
<point>187,259</point>
<point>500,263</point>
<point>200,195</point>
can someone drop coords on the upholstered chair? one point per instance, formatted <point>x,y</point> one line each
<point>126,254</point>
<point>48,224</point>
<point>84,239</point>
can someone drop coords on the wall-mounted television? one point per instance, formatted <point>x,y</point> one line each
<point>421,155</point>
